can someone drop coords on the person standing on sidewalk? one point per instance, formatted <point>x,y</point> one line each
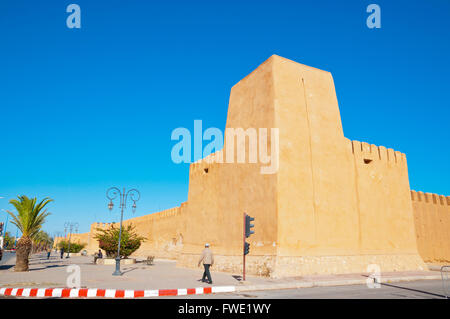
<point>208,260</point>
<point>62,252</point>
<point>49,251</point>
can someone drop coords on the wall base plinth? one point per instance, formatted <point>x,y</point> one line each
<point>280,267</point>
<point>255,265</point>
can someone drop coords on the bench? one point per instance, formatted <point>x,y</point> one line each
<point>149,260</point>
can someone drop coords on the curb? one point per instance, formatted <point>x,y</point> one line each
<point>118,293</point>
<point>331,283</point>
<point>109,293</point>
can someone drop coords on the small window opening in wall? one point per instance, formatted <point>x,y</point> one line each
<point>367,161</point>
<point>206,170</point>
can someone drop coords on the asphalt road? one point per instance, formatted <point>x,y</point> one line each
<point>7,256</point>
<point>421,289</point>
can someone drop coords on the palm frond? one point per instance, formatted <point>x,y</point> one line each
<point>30,216</point>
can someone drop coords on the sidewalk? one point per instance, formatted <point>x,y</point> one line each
<point>165,275</point>
<point>162,275</point>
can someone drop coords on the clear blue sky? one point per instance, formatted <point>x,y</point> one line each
<point>85,109</point>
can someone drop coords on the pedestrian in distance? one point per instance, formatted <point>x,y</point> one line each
<point>208,260</point>
<point>62,252</point>
<point>49,251</point>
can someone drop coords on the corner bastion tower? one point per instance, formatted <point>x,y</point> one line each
<point>333,206</point>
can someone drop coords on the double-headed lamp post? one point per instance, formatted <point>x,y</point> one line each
<point>112,193</point>
<point>70,226</point>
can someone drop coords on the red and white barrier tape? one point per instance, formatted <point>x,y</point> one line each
<point>109,293</point>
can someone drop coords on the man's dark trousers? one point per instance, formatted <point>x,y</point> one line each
<point>206,273</point>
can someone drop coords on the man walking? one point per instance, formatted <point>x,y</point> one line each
<point>208,260</point>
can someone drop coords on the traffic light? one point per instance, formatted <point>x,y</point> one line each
<point>248,231</point>
<point>1,229</point>
<point>246,248</point>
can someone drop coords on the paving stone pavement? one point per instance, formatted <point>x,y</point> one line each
<point>165,275</point>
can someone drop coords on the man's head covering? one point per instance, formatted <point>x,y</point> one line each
<point>206,245</point>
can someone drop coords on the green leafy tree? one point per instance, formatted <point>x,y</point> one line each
<point>9,241</point>
<point>109,238</point>
<point>29,218</point>
<point>74,247</point>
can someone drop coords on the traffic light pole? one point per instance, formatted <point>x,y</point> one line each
<point>247,233</point>
<point>243,251</point>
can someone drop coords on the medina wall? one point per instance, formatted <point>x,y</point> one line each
<point>81,238</point>
<point>329,188</point>
<point>317,213</point>
<point>56,240</point>
<point>385,208</point>
<point>432,224</point>
<point>92,244</point>
<point>163,232</point>
<point>332,205</point>
<point>220,193</point>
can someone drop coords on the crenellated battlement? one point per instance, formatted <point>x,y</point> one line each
<point>432,220</point>
<point>372,152</point>
<point>171,212</point>
<point>205,165</point>
<point>167,213</point>
<point>430,198</point>
<point>101,225</point>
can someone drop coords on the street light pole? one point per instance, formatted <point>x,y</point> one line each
<point>112,193</point>
<point>70,226</point>
<point>56,242</point>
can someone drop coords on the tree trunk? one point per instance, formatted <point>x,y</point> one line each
<point>23,251</point>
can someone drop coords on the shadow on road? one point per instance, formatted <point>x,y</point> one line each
<point>129,269</point>
<point>415,290</point>
<point>46,267</point>
<point>6,267</point>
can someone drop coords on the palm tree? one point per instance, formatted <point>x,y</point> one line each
<point>41,241</point>
<point>29,219</point>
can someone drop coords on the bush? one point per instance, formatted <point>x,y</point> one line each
<point>108,240</point>
<point>9,242</point>
<point>74,247</point>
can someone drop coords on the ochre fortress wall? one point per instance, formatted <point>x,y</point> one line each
<point>432,220</point>
<point>163,232</point>
<point>333,205</point>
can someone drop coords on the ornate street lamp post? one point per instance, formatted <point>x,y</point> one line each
<point>59,235</point>
<point>112,193</point>
<point>71,226</point>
